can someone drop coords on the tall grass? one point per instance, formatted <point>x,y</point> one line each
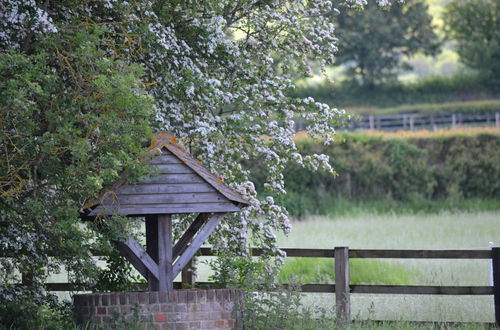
<point>446,230</point>
<point>320,270</point>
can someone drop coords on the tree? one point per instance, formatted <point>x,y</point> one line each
<point>374,43</point>
<point>475,27</point>
<point>83,85</point>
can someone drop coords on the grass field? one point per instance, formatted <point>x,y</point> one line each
<point>440,231</point>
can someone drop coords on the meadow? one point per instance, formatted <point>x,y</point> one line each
<point>394,231</point>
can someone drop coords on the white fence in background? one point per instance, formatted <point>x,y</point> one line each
<point>417,121</point>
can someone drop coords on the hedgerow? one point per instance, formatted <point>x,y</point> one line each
<point>406,168</point>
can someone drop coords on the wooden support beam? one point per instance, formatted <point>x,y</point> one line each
<point>152,249</point>
<point>165,276</point>
<point>139,258</point>
<point>191,250</point>
<point>342,291</point>
<point>188,235</point>
<point>495,256</point>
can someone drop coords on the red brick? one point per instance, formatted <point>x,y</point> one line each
<point>180,308</point>
<point>182,326</point>
<point>101,310</point>
<point>195,325</point>
<point>162,317</point>
<point>230,323</point>
<point>219,324</point>
<point>207,324</point>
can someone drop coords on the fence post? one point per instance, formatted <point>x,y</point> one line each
<point>453,120</point>
<point>188,278</point>
<point>371,120</point>
<point>342,299</point>
<point>497,119</point>
<point>412,122</point>
<point>495,256</point>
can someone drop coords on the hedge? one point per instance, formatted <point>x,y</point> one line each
<point>458,88</point>
<point>469,107</point>
<point>392,167</point>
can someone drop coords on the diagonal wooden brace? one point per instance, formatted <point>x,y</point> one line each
<point>139,258</point>
<point>191,250</point>
<point>188,235</point>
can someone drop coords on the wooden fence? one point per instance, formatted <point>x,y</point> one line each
<point>343,288</point>
<point>418,121</point>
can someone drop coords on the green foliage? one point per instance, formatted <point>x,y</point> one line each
<point>117,276</point>
<point>240,272</point>
<point>283,309</point>
<point>73,119</point>
<point>373,42</point>
<point>470,107</point>
<point>362,271</point>
<point>475,26</point>
<point>454,89</point>
<point>424,174</point>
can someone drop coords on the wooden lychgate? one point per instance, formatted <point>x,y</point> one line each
<point>181,185</point>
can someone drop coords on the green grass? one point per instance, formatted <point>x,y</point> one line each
<point>320,270</point>
<point>446,230</point>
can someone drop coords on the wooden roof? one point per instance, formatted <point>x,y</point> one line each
<point>183,185</point>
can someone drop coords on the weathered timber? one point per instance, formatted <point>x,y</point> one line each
<point>188,235</point>
<point>422,290</point>
<point>342,290</point>
<point>191,250</point>
<point>421,254</point>
<point>166,188</point>
<point>139,199</point>
<point>178,181</point>
<point>383,254</point>
<point>152,248</point>
<point>174,169</point>
<point>165,275</point>
<point>495,255</point>
<point>165,158</point>
<point>170,209</point>
<point>139,258</point>
<point>174,178</point>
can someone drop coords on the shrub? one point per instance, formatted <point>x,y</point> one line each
<point>456,88</point>
<point>419,170</point>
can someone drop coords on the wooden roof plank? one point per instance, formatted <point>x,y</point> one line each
<point>172,188</point>
<point>210,197</point>
<point>164,209</point>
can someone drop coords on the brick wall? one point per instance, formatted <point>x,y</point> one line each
<point>180,309</point>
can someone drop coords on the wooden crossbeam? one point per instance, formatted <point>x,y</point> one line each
<point>191,250</point>
<point>188,235</point>
<point>139,258</point>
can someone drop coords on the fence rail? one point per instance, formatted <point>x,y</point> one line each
<point>418,121</point>
<point>342,287</point>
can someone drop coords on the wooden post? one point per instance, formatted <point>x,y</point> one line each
<point>165,247</point>
<point>342,299</point>
<point>495,256</point>
<point>453,120</point>
<point>371,120</point>
<point>152,248</point>
<point>412,122</point>
<point>497,119</point>
<point>187,275</point>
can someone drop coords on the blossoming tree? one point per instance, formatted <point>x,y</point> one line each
<point>82,82</point>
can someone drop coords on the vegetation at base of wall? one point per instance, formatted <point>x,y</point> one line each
<point>321,270</point>
<point>457,88</point>
<point>426,173</point>
<point>469,107</point>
